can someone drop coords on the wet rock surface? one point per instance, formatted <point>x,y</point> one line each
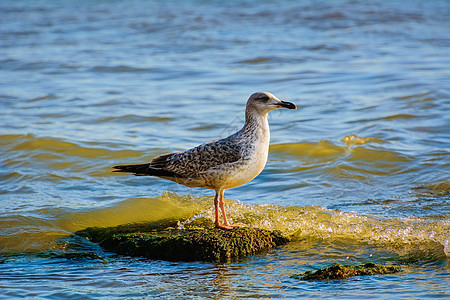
<point>338,271</point>
<point>199,241</point>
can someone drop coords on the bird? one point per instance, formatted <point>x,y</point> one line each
<point>221,164</point>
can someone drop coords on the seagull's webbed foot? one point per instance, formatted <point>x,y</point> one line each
<point>231,225</point>
<point>224,226</point>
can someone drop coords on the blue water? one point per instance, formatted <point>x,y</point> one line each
<point>360,172</point>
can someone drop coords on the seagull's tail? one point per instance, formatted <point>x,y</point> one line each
<point>145,170</point>
<point>141,169</point>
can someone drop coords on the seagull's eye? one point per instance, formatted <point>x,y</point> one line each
<point>264,98</point>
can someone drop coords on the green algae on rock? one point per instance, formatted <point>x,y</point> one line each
<point>338,271</point>
<point>164,241</point>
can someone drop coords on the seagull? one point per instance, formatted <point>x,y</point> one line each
<point>221,164</point>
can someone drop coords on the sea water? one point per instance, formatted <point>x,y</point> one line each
<point>360,172</point>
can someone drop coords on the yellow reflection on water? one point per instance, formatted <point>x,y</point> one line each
<point>168,205</point>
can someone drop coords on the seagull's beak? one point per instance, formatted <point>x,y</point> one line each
<point>287,105</point>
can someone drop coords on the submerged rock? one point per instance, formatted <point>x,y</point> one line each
<point>338,271</point>
<point>199,241</point>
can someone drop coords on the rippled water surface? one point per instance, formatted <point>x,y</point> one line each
<point>360,172</point>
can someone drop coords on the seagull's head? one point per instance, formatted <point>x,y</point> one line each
<point>263,102</point>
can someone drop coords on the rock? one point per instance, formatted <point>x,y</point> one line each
<point>198,241</point>
<point>337,271</point>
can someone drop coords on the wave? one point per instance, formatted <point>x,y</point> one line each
<point>48,182</point>
<point>54,153</point>
<point>353,160</point>
<point>43,229</point>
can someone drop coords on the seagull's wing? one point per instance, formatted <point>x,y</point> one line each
<point>190,163</point>
<point>200,159</point>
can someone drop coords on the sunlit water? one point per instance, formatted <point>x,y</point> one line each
<point>360,172</point>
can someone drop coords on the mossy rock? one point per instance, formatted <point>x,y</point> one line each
<point>98,234</point>
<point>162,240</point>
<point>338,271</point>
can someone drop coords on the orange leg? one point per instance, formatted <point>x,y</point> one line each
<point>218,199</point>
<point>216,209</point>
<point>222,207</point>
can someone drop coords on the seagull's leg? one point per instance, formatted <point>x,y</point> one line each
<point>222,207</point>
<point>218,199</point>
<point>216,208</point>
